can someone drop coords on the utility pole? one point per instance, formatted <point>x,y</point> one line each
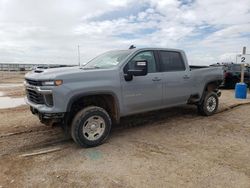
<point>79,58</point>
<point>243,66</point>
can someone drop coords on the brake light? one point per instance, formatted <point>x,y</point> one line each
<point>227,74</point>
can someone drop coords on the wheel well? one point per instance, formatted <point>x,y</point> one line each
<point>212,86</point>
<point>105,101</point>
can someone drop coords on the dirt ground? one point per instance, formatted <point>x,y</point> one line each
<point>11,77</point>
<point>168,148</point>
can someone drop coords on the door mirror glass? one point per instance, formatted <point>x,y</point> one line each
<point>140,65</point>
<point>140,68</point>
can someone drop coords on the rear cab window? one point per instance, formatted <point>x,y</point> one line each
<point>171,61</point>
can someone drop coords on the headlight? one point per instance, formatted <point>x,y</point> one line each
<point>52,83</point>
<point>48,83</point>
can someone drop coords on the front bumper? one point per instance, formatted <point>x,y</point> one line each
<point>48,118</point>
<point>42,99</point>
<point>42,108</point>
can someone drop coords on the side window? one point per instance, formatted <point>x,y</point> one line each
<point>147,55</point>
<point>171,61</point>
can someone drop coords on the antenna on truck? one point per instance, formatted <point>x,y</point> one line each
<point>131,47</point>
<point>79,58</point>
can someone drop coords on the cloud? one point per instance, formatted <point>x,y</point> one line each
<point>47,31</point>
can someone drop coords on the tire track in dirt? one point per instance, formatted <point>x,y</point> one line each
<point>233,107</point>
<point>31,139</point>
<point>34,129</point>
<point>43,137</point>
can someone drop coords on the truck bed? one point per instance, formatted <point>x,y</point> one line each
<point>193,67</point>
<point>200,75</point>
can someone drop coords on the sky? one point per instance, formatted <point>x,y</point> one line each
<point>49,31</point>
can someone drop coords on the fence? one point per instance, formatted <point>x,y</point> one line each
<point>16,67</point>
<point>27,67</point>
<point>9,76</point>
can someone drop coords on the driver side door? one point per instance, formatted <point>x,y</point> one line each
<point>143,93</point>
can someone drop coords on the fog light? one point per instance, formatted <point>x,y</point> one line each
<point>48,100</point>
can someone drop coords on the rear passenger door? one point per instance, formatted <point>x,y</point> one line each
<point>176,76</point>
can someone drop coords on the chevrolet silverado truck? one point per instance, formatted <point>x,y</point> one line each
<point>87,100</point>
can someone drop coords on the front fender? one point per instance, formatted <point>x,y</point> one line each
<point>76,97</point>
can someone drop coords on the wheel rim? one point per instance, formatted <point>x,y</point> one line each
<point>93,128</point>
<point>211,104</point>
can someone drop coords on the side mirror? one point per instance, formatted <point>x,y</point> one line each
<point>140,68</point>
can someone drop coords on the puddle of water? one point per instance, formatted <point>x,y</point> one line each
<point>94,155</point>
<point>8,102</point>
<point>10,85</point>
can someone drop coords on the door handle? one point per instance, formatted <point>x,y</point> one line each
<point>155,79</point>
<point>186,77</point>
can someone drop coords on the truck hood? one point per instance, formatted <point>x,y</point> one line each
<point>64,73</point>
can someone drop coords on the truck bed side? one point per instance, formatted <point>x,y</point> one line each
<point>200,77</point>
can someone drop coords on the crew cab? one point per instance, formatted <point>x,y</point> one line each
<point>87,100</point>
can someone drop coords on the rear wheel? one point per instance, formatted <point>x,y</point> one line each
<point>209,104</point>
<point>91,126</point>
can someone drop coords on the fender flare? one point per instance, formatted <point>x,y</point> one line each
<point>76,97</point>
<point>217,81</point>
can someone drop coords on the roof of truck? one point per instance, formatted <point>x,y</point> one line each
<point>155,48</point>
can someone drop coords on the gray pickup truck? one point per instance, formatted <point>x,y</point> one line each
<point>87,100</point>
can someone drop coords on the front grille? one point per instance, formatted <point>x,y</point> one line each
<point>35,97</point>
<point>34,82</point>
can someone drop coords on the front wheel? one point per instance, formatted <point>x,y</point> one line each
<point>209,104</point>
<point>91,126</point>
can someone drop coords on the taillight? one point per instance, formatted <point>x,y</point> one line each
<point>227,74</point>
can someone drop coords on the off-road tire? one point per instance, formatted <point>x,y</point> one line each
<point>79,121</point>
<point>209,104</point>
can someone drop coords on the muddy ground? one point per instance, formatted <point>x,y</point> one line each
<point>167,148</point>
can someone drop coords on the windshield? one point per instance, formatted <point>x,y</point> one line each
<point>107,60</point>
